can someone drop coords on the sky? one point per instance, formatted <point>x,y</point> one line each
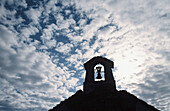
<point>44,44</point>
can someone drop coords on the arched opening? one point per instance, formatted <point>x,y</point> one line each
<point>99,73</point>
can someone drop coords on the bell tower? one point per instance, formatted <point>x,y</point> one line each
<point>90,84</point>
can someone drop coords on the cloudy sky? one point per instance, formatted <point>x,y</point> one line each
<point>43,45</point>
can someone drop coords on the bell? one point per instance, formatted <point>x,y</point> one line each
<point>98,71</point>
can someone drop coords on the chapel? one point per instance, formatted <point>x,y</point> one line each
<point>100,93</point>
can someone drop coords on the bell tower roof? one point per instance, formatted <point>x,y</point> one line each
<point>97,60</point>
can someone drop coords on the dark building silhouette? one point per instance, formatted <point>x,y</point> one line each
<point>101,95</point>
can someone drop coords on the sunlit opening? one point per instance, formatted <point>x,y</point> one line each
<point>99,73</point>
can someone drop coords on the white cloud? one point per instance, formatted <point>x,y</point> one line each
<point>34,14</point>
<point>27,31</point>
<point>63,24</point>
<point>63,48</point>
<point>17,3</point>
<point>8,17</point>
<point>48,36</point>
<point>7,36</point>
